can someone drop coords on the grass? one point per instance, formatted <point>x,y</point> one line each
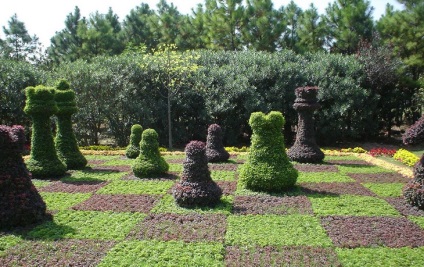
<point>102,216</point>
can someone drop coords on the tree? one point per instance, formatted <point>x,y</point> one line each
<point>311,30</point>
<point>349,22</point>
<point>19,45</point>
<point>291,14</point>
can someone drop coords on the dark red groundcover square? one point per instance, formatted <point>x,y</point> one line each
<point>394,232</point>
<point>388,177</point>
<point>74,187</point>
<point>272,205</point>
<point>404,207</point>
<point>336,189</point>
<point>186,227</point>
<point>119,203</point>
<point>228,187</point>
<point>316,167</point>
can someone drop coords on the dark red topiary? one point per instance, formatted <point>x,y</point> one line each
<point>415,133</point>
<point>196,187</point>
<point>215,151</point>
<point>21,204</point>
<point>305,149</point>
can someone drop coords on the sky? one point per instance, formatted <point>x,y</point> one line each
<point>46,17</point>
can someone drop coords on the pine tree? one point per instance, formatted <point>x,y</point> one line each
<point>311,30</point>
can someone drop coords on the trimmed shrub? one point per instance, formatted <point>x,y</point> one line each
<point>414,190</point>
<point>267,167</point>
<point>149,162</point>
<point>415,133</point>
<point>406,157</point>
<point>215,151</point>
<point>133,149</point>
<point>65,141</point>
<point>196,187</point>
<point>21,204</point>
<point>305,148</point>
<point>40,105</point>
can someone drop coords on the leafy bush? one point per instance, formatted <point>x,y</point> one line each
<point>133,149</point>
<point>65,141</point>
<point>354,150</point>
<point>406,157</point>
<point>415,133</point>
<point>21,204</point>
<point>196,187</point>
<point>382,151</point>
<point>40,105</point>
<point>215,151</point>
<point>149,162</point>
<point>267,168</point>
<point>237,149</point>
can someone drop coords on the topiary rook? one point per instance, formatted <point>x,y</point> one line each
<point>21,204</point>
<point>149,162</point>
<point>267,167</point>
<point>40,105</point>
<point>196,187</point>
<point>215,151</point>
<point>133,149</point>
<point>65,141</point>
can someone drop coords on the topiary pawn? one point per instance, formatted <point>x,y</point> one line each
<point>215,151</point>
<point>196,187</point>
<point>40,105</point>
<point>149,162</point>
<point>133,149</point>
<point>65,141</point>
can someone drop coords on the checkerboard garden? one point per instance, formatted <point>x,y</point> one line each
<point>345,212</point>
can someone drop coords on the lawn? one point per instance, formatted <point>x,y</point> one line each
<point>345,212</point>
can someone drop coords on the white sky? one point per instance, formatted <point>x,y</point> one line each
<point>45,17</point>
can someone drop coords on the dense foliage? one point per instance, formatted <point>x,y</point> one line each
<point>415,133</point>
<point>267,168</point>
<point>215,151</point>
<point>21,204</point>
<point>196,187</point>
<point>133,149</point>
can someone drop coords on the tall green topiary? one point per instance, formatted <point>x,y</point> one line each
<point>65,141</point>
<point>267,168</point>
<point>133,149</point>
<point>149,162</point>
<point>40,105</point>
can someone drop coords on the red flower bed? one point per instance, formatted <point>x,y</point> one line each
<point>382,151</point>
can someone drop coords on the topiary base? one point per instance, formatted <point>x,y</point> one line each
<point>145,168</point>
<point>305,154</point>
<point>46,169</point>
<point>414,194</point>
<point>190,194</point>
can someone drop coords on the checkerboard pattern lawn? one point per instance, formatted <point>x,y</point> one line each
<point>344,212</point>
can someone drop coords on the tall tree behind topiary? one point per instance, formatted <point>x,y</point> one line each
<point>196,187</point>
<point>149,162</point>
<point>267,168</point>
<point>414,190</point>
<point>305,149</point>
<point>133,149</point>
<point>65,141</point>
<point>40,105</point>
<point>21,204</point>
<point>215,151</point>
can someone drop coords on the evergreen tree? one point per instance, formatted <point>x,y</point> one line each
<point>168,23</point>
<point>311,30</point>
<point>289,38</point>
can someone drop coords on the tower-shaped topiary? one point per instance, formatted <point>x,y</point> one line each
<point>21,204</point>
<point>133,149</point>
<point>267,167</point>
<point>65,141</point>
<point>305,149</point>
<point>149,162</point>
<point>215,151</point>
<point>196,187</point>
<point>40,105</point>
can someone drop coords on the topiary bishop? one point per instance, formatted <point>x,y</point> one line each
<point>215,151</point>
<point>133,149</point>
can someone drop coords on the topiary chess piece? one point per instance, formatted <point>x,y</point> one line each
<point>215,151</point>
<point>149,162</point>
<point>196,187</point>
<point>305,149</point>
<point>65,142</point>
<point>21,204</point>
<point>267,167</point>
<point>40,105</point>
<point>133,149</point>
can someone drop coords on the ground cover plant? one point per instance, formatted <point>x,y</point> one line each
<point>343,212</point>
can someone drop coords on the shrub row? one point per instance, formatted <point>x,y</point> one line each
<point>406,157</point>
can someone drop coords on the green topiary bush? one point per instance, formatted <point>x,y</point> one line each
<point>65,141</point>
<point>133,149</point>
<point>149,162</point>
<point>40,105</point>
<point>267,168</point>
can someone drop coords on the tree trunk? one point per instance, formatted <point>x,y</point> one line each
<point>169,122</point>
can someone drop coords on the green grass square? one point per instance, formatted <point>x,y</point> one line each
<point>381,257</point>
<point>87,224</point>
<point>323,177</point>
<point>153,187</point>
<point>63,201</point>
<point>118,162</point>
<point>345,157</point>
<point>351,205</point>
<point>167,205</point>
<point>223,175</point>
<point>101,157</point>
<point>362,169</point>
<point>385,189</point>
<point>93,176</point>
<point>8,241</point>
<point>418,220</point>
<point>274,230</point>
<point>159,253</point>
<point>40,183</point>
<point>174,167</point>
<point>174,156</point>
